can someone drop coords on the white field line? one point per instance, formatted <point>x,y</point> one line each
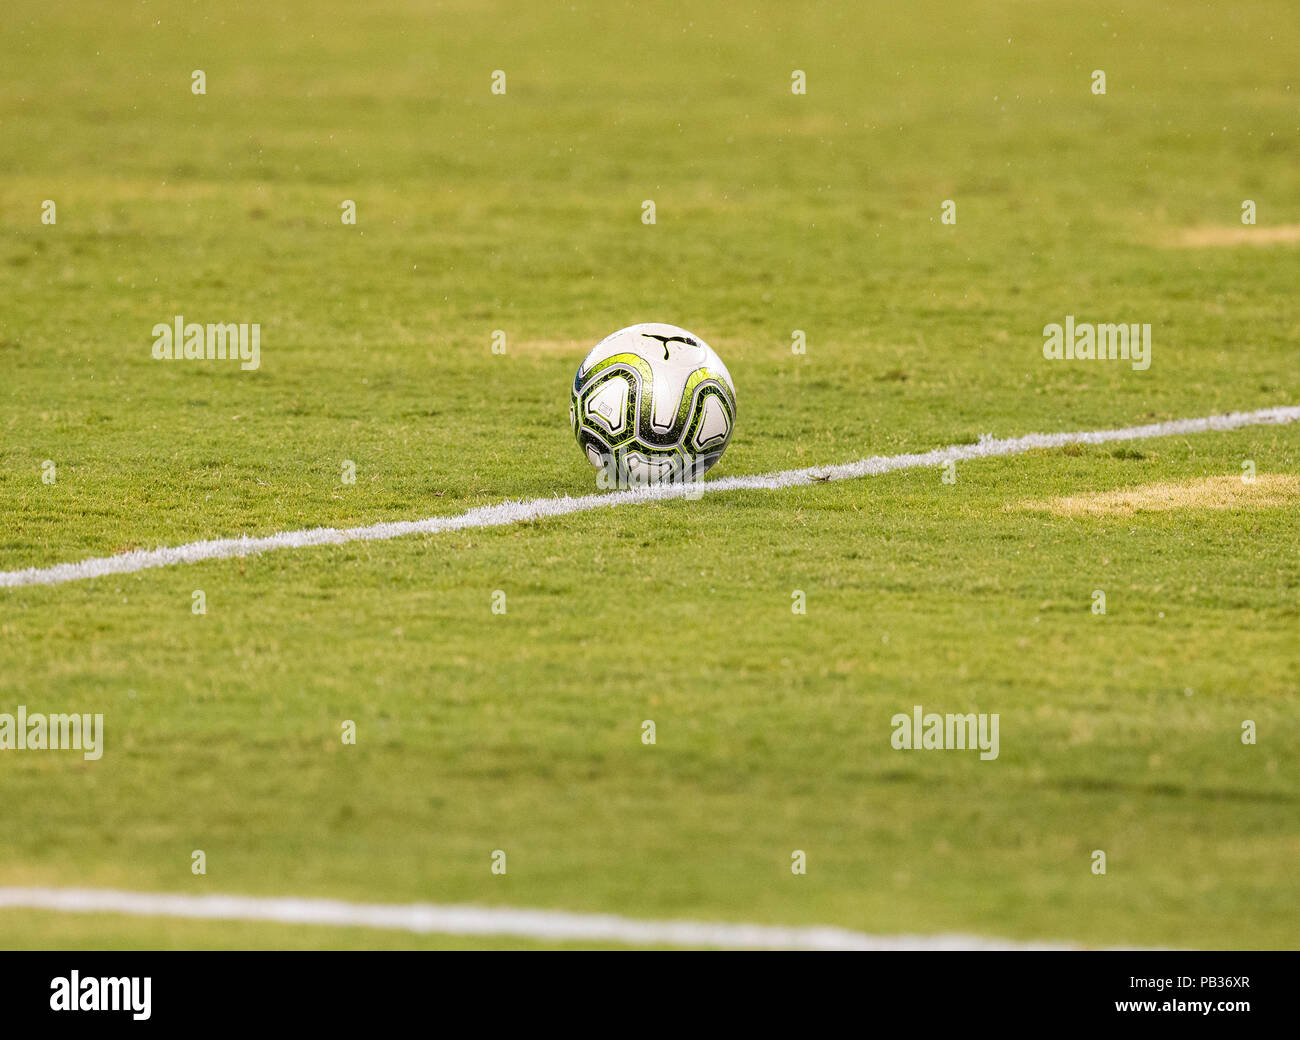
<point>427,918</point>
<point>541,508</point>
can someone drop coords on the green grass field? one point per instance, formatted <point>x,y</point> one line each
<point>776,212</point>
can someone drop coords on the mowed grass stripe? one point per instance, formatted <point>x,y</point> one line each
<point>513,512</point>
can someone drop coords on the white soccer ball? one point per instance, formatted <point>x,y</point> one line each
<point>652,404</point>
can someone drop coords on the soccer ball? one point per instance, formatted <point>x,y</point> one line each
<point>652,404</point>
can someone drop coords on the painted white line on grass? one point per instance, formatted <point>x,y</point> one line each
<point>444,919</point>
<point>542,508</point>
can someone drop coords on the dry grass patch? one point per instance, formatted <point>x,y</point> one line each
<point>1227,492</point>
<point>1240,235</point>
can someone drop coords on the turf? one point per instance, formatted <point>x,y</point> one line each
<point>775,212</point>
